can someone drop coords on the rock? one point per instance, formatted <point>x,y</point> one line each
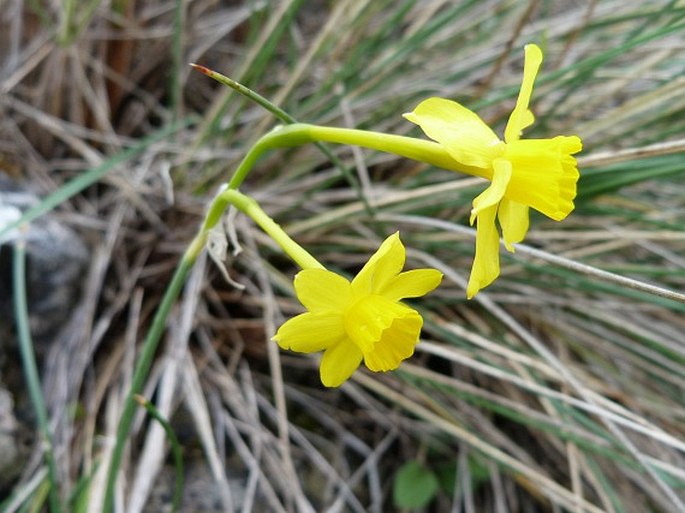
<point>9,446</point>
<point>55,261</point>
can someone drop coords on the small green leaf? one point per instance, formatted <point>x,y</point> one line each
<point>415,485</point>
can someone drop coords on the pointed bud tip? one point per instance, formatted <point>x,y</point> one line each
<point>202,69</point>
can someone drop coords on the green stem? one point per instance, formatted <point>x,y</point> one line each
<point>288,119</point>
<point>250,207</point>
<point>144,363</point>
<point>227,197</point>
<point>175,449</point>
<point>28,358</point>
<point>295,134</point>
<point>300,133</point>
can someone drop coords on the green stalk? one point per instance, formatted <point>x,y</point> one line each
<point>144,363</point>
<point>28,359</point>
<point>227,197</point>
<point>300,133</point>
<point>175,449</point>
<point>247,93</point>
<point>287,119</point>
<point>249,206</point>
<point>295,134</point>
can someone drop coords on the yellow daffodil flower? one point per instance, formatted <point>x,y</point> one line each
<point>359,320</point>
<point>536,173</point>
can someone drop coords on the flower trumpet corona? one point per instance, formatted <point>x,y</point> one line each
<point>524,173</point>
<point>359,320</point>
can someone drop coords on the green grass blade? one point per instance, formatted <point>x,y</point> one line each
<point>28,358</point>
<point>175,449</point>
<point>140,374</point>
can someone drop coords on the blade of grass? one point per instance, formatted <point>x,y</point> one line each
<point>611,178</point>
<point>144,362</point>
<point>22,495</point>
<point>78,501</point>
<point>252,67</point>
<point>28,358</point>
<point>288,119</point>
<point>452,428</point>
<point>621,281</point>
<point>175,449</point>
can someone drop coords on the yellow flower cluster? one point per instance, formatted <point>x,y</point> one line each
<point>365,320</point>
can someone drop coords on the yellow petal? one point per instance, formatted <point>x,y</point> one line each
<point>514,220</point>
<point>545,174</point>
<point>459,130</point>
<point>365,321</point>
<point>383,266</point>
<point>486,261</point>
<point>339,362</point>
<point>521,117</point>
<point>396,343</point>
<point>372,319</point>
<point>495,192</point>
<point>311,332</point>
<point>322,290</point>
<point>415,283</point>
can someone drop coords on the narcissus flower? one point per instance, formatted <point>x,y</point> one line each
<point>535,173</point>
<point>359,320</point>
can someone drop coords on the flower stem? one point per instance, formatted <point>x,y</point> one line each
<point>295,134</point>
<point>287,119</point>
<point>301,133</point>
<point>250,207</point>
<point>226,197</point>
<point>144,362</point>
<point>412,148</point>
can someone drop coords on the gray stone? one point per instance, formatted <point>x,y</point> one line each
<point>55,262</point>
<point>9,447</point>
